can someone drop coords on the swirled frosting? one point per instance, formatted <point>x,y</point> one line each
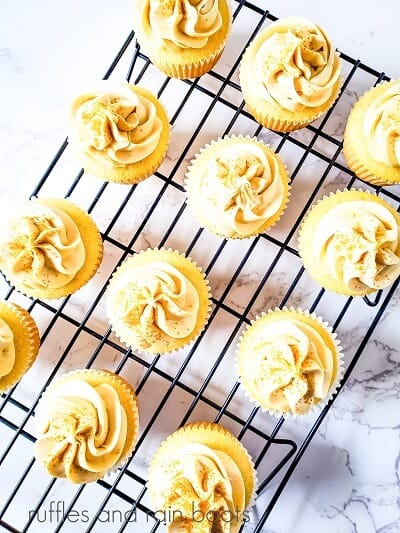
<point>198,479</point>
<point>240,188</point>
<point>382,126</point>
<point>7,349</point>
<point>294,65</point>
<point>42,247</point>
<point>180,24</point>
<point>154,301</point>
<point>289,367</point>
<point>82,430</point>
<point>115,122</point>
<point>358,243</point>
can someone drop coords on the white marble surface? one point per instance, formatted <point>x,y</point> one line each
<point>349,478</point>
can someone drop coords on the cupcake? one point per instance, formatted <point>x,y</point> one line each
<point>183,38</point>
<point>372,136</point>
<point>202,479</point>
<point>19,343</point>
<point>289,361</point>
<point>50,248</point>
<point>158,301</point>
<point>119,132</point>
<point>350,243</point>
<point>290,74</point>
<point>237,187</point>
<point>87,425</point>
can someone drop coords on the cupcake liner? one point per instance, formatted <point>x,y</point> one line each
<point>337,349</point>
<point>26,342</point>
<point>103,168</point>
<point>204,294</point>
<point>355,145</point>
<point>277,118</point>
<point>216,437</point>
<point>126,395</point>
<point>93,244</point>
<point>310,266</point>
<point>191,69</point>
<point>200,214</point>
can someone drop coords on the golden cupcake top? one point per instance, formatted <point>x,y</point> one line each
<point>198,480</point>
<point>381,126</point>
<point>41,247</point>
<point>157,301</point>
<point>116,123</point>
<point>82,428</point>
<point>286,363</point>
<point>358,243</point>
<point>238,184</point>
<point>180,24</point>
<point>7,349</point>
<point>294,64</point>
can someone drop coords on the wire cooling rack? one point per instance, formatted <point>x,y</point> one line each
<point>247,277</point>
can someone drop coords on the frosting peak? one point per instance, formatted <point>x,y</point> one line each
<point>291,367</point>
<point>43,247</point>
<point>7,349</point>
<point>240,187</point>
<point>199,479</point>
<point>358,243</point>
<point>115,122</point>
<point>82,430</point>
<point>182,23</point>
<point>382,126</point>
<point>295,64</point>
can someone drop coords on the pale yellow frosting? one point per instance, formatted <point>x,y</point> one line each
<point>42,247</point>
<point>239,188</point>
<point>199,478</point>
<point>180,23</point>
<point>358,244</point>
<point>115,122</point>
<point>7,349</point>
<point>153,301</point>
<point>81,430</point>
<point>295,65</point>
<point>382,126</point>
<point>289,366</point>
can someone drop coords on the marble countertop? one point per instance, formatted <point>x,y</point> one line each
<point>349,478</point>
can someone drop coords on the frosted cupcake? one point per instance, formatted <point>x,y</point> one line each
<point>158,301</point>
<point>19,343</point>
<point>372,137</point>
<point>237,187</point>
<point>290,74</point>
<point>350,243</point>
<point>87,424</point>
<point>203,478</point>
<point>289,361</point>
<point>183,38</point>
<point>50,248</point>
<point>119,132</point>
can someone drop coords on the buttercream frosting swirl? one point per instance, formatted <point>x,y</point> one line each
<point>290,368</point>
<point>199,479</point>
<point>241,188</point>
<point>82,430</point>
<point>382,126</point>
<point>115,122</point>
<point>7,349</point>
<point>42,247</point>
<point>295,65</point>
<point>358,243</point>
<point>180,24</point>
<point>155,301</point>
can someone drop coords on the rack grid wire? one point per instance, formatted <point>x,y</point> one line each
<point>158,380</point>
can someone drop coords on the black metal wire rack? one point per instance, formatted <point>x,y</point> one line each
<point>246,276</point>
